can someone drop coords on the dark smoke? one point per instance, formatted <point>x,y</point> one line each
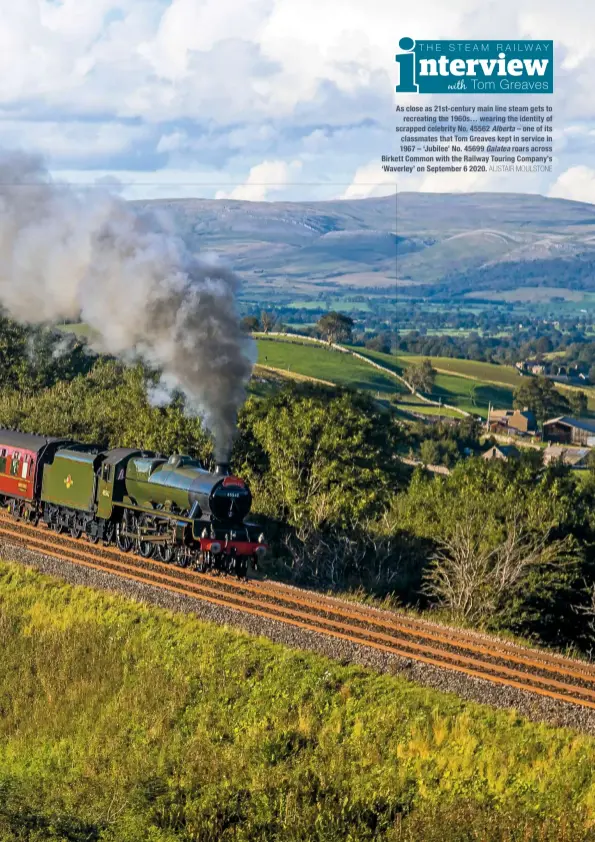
<point>66,253</point>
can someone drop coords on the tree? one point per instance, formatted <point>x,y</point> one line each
<point>268,321</point>
<point>429,452</point>
<point>250,324</point>
<point>539,395</point>
<point>110,406</point>
<point>381,343</point>
<point>503,546</point>
<point>471,579</point>
<point>315,456</point>
<point>544,345</point>
<point>421,376</point>
<point>335,327</point>
<point>37,357</point>
<point>473,394</point>
<point>578,403</point>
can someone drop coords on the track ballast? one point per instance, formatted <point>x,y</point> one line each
<point>410,640</point>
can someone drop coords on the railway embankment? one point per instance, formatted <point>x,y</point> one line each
<point>540,685</point>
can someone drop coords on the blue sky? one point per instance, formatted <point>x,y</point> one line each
<point>266,99</point>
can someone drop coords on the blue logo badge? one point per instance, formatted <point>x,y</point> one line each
<point>475,67</point>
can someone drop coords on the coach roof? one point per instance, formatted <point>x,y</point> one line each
<point>28,441</point>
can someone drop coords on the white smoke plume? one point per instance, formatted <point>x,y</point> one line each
<point>67,253</point>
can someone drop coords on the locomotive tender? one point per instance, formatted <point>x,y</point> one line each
<point>171,509</point>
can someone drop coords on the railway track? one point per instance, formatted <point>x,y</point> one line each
<point>471,654</point>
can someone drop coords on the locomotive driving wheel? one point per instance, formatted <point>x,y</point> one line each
<point>144,547</point>
<point>164,552</point>
<point>181,556</point>
<point>60,524</point>
<point>124,530</point>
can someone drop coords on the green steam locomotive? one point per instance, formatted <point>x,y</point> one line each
<point>171,508</point>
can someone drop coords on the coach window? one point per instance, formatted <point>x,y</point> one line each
<point>14,467</point>
<point>25,469</point>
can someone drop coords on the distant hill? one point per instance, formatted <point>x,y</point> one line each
<point>451,244</point>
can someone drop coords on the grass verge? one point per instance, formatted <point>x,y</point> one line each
<point>125,722</point>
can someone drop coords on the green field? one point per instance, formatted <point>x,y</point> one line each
<point>481,372</point>
<point>534,294</point>
<point>125,723</point>
<point>486,372</point>
<point>413,404</point>
<point>467,384</point>
<point>314,360</point>
<point>470,391</point>
<point>489,377</point>
<point>343,303</point>
<point>472,386</point>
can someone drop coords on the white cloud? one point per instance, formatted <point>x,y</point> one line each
<point>264,179</point>
<point>148,184</point>
<point>189,26</point>
<point>74,140</point>
<point>173,142</point>
<point>146,58</point>
<point>577,183</point>
<point>214,83</point>
<point>370,180</point>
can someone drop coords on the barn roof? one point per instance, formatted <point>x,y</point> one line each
<point>578,423</point>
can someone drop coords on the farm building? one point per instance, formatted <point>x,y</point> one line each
<point>501,451</point>
<point>532,367</point>
<point>565,430</point>
<point>574,457</point>
<point>576,373</point>
<point>512,421</point>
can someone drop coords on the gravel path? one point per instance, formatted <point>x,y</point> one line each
<point>537,708</point>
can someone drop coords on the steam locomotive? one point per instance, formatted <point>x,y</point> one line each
<point>171,508</point>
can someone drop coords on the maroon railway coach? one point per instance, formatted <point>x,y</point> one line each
<point>22,457</point>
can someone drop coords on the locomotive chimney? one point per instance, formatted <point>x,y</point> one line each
<point>222,468</point>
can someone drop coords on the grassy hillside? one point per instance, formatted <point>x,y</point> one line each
<point>463,391</point>
<point>471,248</point>
<point>316,361</point>
<point>505,375</point>
<point>488,382</point>
<point>467,384</point>
<point>472,386</point>
<point>299,249</point>
<point>124,722</point>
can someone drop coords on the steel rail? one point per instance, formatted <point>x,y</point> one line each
<point>535,659</point>
<point>196,587</point>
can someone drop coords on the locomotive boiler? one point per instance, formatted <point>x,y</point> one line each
<point>168,508</point>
